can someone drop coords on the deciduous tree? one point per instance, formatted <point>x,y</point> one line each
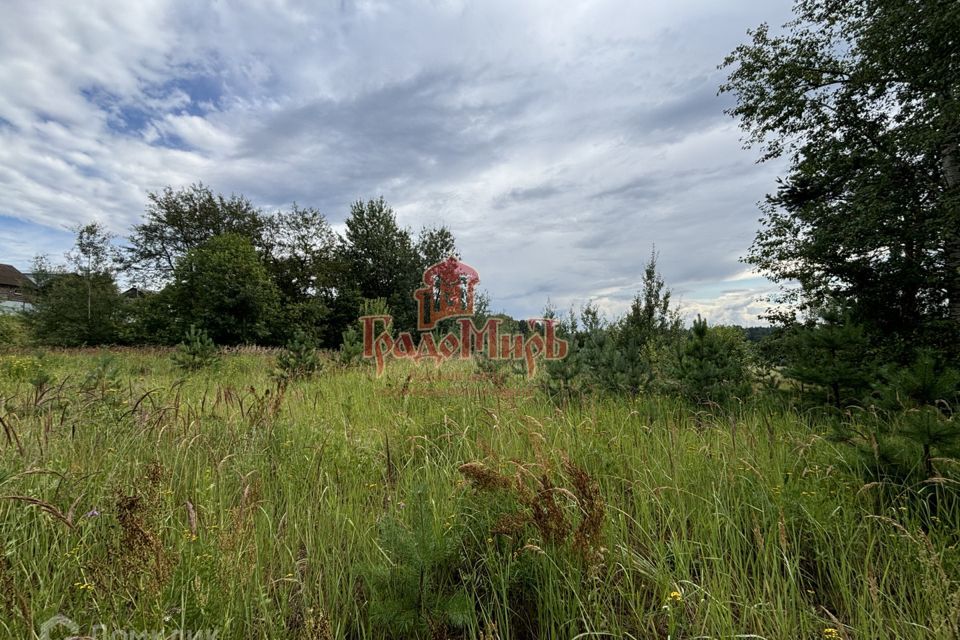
<point>863,97</point>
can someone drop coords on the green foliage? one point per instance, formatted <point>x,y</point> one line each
<point>78,304</point>
<point>173,505</point>
<point>302,259</point>
<point>435,244</point>
<point>915,424</point>
<point>223,288</point>
<point>628,356</point>
<point>310,317</point>
<point>499,371</point>
<point>70,310</point>
<point>351,349</point>
<point>561,379</point>
<point>862,98</point>
<point>351,345</point>
<point>382,258</point>
<point>22,368</point>
<point>13,330</point>
<point>713,365</point>
<point>832,353</point>
<point>650,319</point>
<point>178,221</point>
<point>298,360</point>
<point>103,381</point>
<point>416,592</point>
<point>197,351</point>
<point>152,319</point>
<point>642,338</point>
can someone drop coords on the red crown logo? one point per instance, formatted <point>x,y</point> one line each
<point>448,292</point>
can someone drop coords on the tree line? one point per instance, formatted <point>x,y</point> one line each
<point>223,266</point>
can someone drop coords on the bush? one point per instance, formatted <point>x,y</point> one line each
<point>13,331</point>
<point>832,353</point>
<point>351,347</point>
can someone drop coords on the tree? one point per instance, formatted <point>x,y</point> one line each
<point>181,220</point>
<point>863,96</point>
<point>223,288</point>
<point>303,261</point>
<point>92,256</point>
<point>301,252</point>
<point>383,261</point>
<point>435,244</point>
<point>925,394</point>
<point>645,333</point>
<point>78,303</point>
<point>70,310</point>
<point>832,352</point>
<point>650,317</point>
<point>712,365</point>
<point>915,428</point>
<point>623,357</point>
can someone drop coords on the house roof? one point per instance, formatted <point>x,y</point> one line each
<point>11,277</point>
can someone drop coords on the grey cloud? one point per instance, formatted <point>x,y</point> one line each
<point>525,194</point>
<point>559,149</point>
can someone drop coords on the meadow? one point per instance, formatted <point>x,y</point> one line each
<point>441,503</point>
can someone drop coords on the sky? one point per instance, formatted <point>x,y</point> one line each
<point>561,141</point>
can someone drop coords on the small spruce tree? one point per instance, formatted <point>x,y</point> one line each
<point>298,360</point>
<point>831,353</point>
<point>916,423</point>
<point>712,365</point>
<point>197,351</point>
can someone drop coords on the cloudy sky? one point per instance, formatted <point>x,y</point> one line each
<point>560,140</point>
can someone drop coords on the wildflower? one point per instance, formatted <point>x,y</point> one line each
<point>676,596</point>
<point>93,513</point>
<point>831,634</point>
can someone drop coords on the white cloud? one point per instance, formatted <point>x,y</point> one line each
<point>559,141</point>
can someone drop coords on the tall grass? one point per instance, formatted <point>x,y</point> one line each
<point>138,497</point>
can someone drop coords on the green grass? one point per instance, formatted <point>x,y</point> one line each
<point>147,500</point>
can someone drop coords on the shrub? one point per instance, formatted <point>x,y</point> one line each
<point>832,353</point>
<point>13,331</point>
<point>351,347</point>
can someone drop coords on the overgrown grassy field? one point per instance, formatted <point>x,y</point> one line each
<point>435,503</point>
